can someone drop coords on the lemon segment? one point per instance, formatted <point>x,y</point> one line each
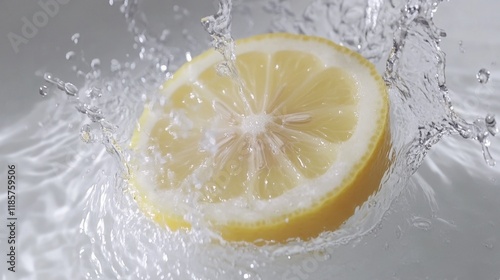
<point>288,151</point>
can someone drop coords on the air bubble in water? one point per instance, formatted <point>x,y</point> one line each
<point>75,37</point>
<point>483,76</point>
<point>43,90</point>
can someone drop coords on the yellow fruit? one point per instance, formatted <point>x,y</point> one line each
<point>289,156</point>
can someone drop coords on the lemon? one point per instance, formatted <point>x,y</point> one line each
<point>288,150</point>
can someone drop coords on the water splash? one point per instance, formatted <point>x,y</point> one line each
<point>429,101</point>
<point>85,101</point>
<point>218,27</point>
<point>124,243</point>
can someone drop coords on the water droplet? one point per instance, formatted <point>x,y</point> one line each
<point>55,81</point>
<point>491,124</point>
<point>188,56</point>
<point>412,10</point>
<point>90,133</point>
<point>461,46</point>
<point>60,85</point>
<point>486,152</point>
<point>115,65</point>
<point>85,134</point>
<point>164,34</point>
<point>75,37</point>
<point>70,55</point>
<point>92,112</point>
<point>48,77</point>
<point>95,63</point>
<point>141,38</point>
<point>43,90</point>
<point>483,76</point>
<point>70,89</point>
<point>421,223</point>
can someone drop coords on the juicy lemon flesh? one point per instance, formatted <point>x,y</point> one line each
<point>283,127</point>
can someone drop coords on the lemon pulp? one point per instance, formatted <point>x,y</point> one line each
<point>290,154</point>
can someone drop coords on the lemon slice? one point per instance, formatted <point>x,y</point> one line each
<point>288,151</point>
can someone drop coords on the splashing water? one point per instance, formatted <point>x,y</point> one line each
<point>116,241</point>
